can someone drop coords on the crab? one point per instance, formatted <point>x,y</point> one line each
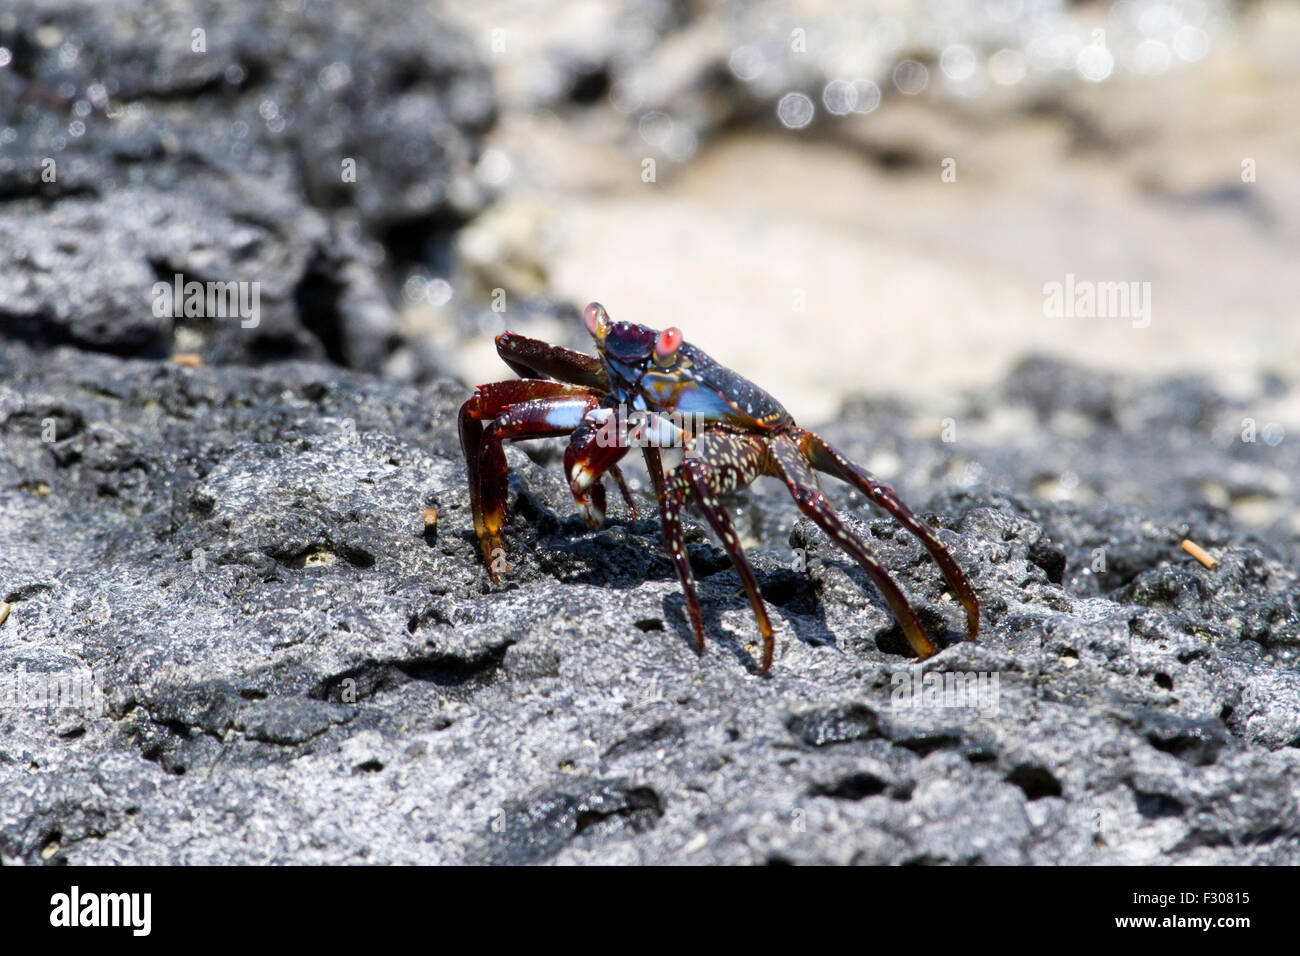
<point>671,394</point>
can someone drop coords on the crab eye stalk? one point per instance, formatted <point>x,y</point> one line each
<point>666,345</point>
<point>596,319</point>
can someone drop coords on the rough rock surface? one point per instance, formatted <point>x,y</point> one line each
<point>297,669</point>
<point>212,140</point>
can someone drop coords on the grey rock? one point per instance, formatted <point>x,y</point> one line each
<point>293,667</point>
<point>671,76</point>
<point>134,150</point>
<point>537,828</point>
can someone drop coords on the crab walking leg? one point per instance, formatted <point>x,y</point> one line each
<point>793,468</point>
<point>671,497</point>
<point>654,463</point>
<point>670,521</point>
<point>533,358</point>
<point>658,433</point>
<point>716,464</point>
<point>622,489</point>
<point>825,457</point>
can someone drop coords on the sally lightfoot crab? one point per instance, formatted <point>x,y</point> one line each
<point>730,430</point>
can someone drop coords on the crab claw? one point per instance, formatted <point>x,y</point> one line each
<point>593,505</point>
<point>590,454</point>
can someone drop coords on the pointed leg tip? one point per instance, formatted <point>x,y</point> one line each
<point>495,563</point>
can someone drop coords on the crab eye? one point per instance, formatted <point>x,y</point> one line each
<point>596,319</point>
<point>666,345</point>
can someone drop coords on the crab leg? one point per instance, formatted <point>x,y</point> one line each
<point>671,497</point>
<point>670,519</point>
<point>825,457</point>
<point>622,489</point>
<point>793,468</point>
<point>719,463</point>
<point>654,463</point>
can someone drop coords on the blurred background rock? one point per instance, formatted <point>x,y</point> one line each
<point>797,221</point>
<point>798,151</point>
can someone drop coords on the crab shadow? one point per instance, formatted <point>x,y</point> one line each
<point>793,598</point>
<point>625,552</point>
<point>802,609</point>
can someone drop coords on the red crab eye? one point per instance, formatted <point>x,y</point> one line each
<point>667,344</point>
<point>596,319</point>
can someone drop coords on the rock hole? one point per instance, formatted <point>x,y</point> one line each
<point>925,743</point>
<point>1037,782</point>
<point>1155,806</point>
<point>316,298</point>
<point>855,786</point>
<point>780,590</point>
<point>1051,560</point>
<point>589,86</point>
